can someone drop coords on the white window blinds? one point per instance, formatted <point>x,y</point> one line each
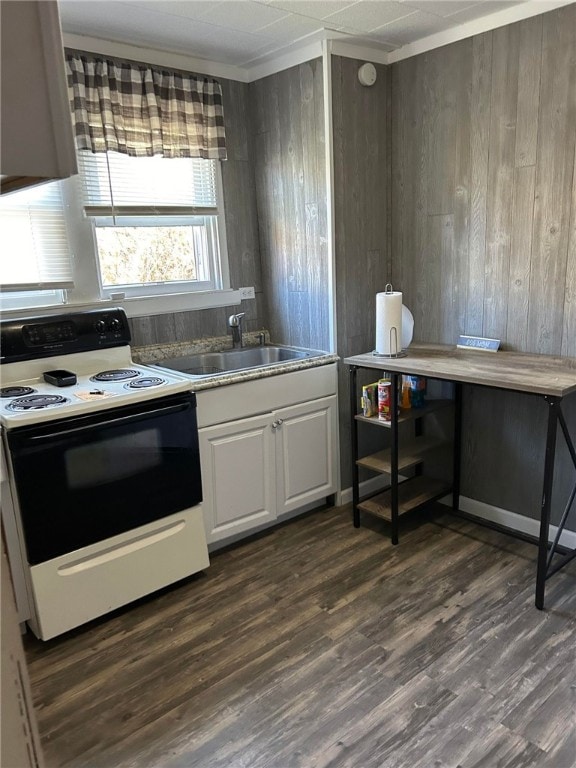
<point>119,185</point>
<point>35,250</point>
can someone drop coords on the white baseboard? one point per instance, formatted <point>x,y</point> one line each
<point>373,485</point>
<point>511,520</point>
<point>504,517</point>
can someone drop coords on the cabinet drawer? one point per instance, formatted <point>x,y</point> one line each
<point>239,401</point>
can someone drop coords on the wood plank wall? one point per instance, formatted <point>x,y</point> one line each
<point>484,224</point>
<point>241,232</point>
<point>288,125</point>
<point>361,190</point>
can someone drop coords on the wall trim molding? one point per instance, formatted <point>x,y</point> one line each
<point>155,56</point>
<point>293,56</point>
<point>361,52</point>
<point>330,196</point>
<point>508,519</point>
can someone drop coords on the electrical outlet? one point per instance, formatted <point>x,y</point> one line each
<point>247,293</point>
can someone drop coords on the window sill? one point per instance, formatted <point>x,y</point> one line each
<point>141,306</point>
<point>144,306</point>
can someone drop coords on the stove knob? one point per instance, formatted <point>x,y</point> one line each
<point>114,324</point>
<point>100,326</point>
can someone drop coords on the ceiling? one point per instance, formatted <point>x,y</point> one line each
<point>244,32</point>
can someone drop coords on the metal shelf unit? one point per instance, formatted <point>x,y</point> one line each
<point>401,496</point>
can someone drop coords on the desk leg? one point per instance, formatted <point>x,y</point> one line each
<point>354,434</point>
<point>457,446</point>
<point>394,456</point>
<point>553,415</point>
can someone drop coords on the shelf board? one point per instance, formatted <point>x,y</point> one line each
<point>409,455</point>
<point>407,415</point>
<point>412,493</point>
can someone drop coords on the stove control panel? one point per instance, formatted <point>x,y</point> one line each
<point>49,333</point>
<point>34,337</point>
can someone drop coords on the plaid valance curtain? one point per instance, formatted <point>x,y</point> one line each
<point>141,110</point>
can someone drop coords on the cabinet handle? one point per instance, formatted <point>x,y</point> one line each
<point>277,423</point>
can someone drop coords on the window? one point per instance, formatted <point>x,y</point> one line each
<point>154,231</point>
<point>35,263</point>
<point>157,222</point>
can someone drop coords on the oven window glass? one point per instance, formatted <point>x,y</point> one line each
<point>113,459</point>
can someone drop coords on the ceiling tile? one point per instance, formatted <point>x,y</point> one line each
<point>440,7</point>
<point>191,9</point>
<point>482,9</point>
<point>237,42</point>
<point>245,16</point>
<point>367,15</point>
<point>313,9</point>
<point>291,28</point>
<point>410,28</point>
<point>95,18</point>
<point>117,21</point>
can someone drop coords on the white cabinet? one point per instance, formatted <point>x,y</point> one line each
<point>237,476</point>
<point>36,138</point>
<point>258,468</point>
<point>305,452</point>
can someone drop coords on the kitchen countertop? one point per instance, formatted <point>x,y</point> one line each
<point>536,374</point>
<point>154,354</point>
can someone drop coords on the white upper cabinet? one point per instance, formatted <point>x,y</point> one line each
<point>36,134</point>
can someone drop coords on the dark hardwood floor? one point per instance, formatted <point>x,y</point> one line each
<point>317,645</point>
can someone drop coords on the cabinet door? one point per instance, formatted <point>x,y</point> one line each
<point>237,476</point>
<point>37,141</point>
<point>306,452</point>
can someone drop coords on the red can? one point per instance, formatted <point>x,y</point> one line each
<point>385,400</point>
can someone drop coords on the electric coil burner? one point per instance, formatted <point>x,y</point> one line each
<point>36,402</point>
<point>16,391</point>
<point>103,465</point>
<point>145,381</point>
<point>117,375</point>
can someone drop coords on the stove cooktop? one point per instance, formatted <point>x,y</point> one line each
<point>35,400</point>
<point>93,346</point>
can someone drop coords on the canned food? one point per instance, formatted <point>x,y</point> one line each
<point>385,400</point>
<point>417,391</point>
<point>369,399</point>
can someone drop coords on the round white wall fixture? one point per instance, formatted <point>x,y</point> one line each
<point>367,74</point>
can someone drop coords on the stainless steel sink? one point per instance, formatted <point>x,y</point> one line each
<point>214,363</point>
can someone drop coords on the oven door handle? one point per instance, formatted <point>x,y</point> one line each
<point>113,422</point>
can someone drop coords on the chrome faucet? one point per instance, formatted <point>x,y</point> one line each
<point>235,322</point>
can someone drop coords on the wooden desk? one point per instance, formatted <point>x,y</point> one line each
<point>552,378</point>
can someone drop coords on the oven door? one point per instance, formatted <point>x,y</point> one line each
<point>82,480</point>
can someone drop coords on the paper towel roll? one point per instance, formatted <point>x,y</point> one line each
<point>389,323</point>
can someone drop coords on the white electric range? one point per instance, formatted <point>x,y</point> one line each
<point>102,470</point>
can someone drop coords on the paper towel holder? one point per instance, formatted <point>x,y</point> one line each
<point>393,335</point>
<point>402,353</point>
